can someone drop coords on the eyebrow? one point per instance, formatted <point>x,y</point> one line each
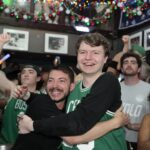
<point>129,61</point>
<point>58,78</point>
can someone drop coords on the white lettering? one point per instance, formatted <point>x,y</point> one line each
<point>21,105</point>
<point>132,110</point>
<point>72,105</point>
<point>88,146</point>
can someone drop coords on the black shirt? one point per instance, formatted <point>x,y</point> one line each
<point>40,107</point>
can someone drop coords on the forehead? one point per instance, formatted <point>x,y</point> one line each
<point>130,59</point>
<point>58,74</point>
<point>85,46</point>
<point>28,69</point>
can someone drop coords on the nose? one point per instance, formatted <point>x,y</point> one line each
<point>88,55</point>
<point>26,74</point>
<point>55,84</point>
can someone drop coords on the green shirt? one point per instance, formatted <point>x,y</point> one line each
<point>113,140</point>
<point>9,130</point>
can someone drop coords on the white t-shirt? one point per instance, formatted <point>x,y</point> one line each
<point>136,104</point>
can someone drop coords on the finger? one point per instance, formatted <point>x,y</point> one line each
<point>16,94</point>
<point>24,87</point>
<point>21,115</point>
<point>19,131</point>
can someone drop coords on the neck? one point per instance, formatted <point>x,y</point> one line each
<point>131,80</point>
<point>89,79</point>
<point>60,105</point>
<point>32,88</point>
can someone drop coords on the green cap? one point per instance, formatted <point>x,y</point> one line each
<point>138,49</point>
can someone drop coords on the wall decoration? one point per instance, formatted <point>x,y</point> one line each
<point>19,40</point>
<point>135,15</point>
<point>147,39</point>
<point>135,39</point>
<point>136,11</point>
<point>56,43</point>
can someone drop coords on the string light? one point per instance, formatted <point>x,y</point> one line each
<point>104,10</point>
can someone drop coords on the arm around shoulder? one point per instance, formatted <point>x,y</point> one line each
<point>100,129</point>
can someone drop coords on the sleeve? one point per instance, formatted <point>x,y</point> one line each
<point>113,64</point>
<point>32,97</point>
<point>87,114</point>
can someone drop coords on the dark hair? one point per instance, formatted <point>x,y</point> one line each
<point>131,54</point>
<point>12,71</point>
<point>94,39</point>
<point>66,70</point>
<point>36,68</point>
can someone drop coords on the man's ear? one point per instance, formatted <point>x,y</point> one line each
<point>38,78</point>
<point>72,86</point>
<point>106,59</point>
<point>121,70</point>
<point>139,70</point>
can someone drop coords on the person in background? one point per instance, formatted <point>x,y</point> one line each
<point>114,65</point>
<point>94,99</point>
<point>4,38</point>
<point>12,70</point>
<point>29,76</point>
<point>59,84</point>
<point>144,134</point>
<point>145,72</point>
<point>135,94</point>
<point>44,78</point>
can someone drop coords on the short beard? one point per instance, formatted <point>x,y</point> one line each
<point>61,100</point>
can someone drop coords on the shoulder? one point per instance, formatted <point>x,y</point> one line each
<point>144,83</point>
<point>42,96</point>
<point>108,77</point>
<point>147,117</point>
<point>107,80</point>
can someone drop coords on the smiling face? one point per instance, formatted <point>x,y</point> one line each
<point>58,85</point>
<point>91,59</point>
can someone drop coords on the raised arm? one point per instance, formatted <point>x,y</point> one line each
<point>117,57</point>
<point>6,86</point>
<point>144,134</point>
<point>4,38</point>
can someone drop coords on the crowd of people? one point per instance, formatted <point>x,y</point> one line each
<point>91,111</point>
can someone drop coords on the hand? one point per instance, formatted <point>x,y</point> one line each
<point>25,124</point>
<point>20,91</point>
<point>125,39</point>
<point>133,126</point>
<point>121,117</point>
<point>4,38</point>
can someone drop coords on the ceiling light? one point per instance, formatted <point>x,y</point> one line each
<point>82,28</point>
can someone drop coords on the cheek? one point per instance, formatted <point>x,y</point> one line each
<point>100,59</point>
<point>80,57</point>
<point>48,86</point>
<point>66,89</point>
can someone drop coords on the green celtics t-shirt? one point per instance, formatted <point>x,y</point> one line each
<point>114,140</point>
<point>9,130</point>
